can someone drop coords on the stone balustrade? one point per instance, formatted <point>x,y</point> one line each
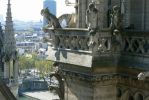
<point>79,40</point>
<point>70,39</point>
<point>136,43</point>
<point>103,47</point>
<point>6,80</point>
<point>10,82</point>
<point>13,82</point>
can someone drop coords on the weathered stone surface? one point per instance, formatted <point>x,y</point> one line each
<point>77,58</point>
<point>104,65</point>
<point>78,90</point>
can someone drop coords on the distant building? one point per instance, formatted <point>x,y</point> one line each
<point>51,5</point>
<point>23,26</point>
<point>27,46</point>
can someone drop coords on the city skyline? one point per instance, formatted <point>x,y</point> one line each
<point>29,10</point>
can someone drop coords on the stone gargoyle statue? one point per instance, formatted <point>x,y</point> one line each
<point>69,19</point>
<point>92,18</point>
<point>52,20</point>
<point>143,75</point>
<point>116,18</point>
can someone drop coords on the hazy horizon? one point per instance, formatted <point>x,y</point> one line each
<point>29,10</point>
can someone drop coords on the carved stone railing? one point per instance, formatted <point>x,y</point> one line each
<point>102,42</point>
<point>136,43</point>
<point>70,39</point>
<point>105,48</point>
<point>80,40</point>
<point>135,49</point>
<point>13,82</point>
<point>10,82</point>
<point>6,80</point>
<point>77,46</point>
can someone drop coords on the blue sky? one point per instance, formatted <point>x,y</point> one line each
<point>30,9</point>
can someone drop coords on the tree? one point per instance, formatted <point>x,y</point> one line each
<point>44,66</point>
<point>26,62</point>
<point>33,62</point>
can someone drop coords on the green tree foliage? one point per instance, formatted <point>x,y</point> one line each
<point>23,62</point>
<point>33,62</point>
<point>44,67</point>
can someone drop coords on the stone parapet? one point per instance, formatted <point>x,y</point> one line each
<point>109,62</point>
<point>78,47</point>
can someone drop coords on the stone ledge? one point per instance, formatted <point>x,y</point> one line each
<point>77,58</point>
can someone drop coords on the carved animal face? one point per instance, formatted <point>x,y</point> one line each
<point>44,12</point>
<point>91,6</point>
<point>141,76</point>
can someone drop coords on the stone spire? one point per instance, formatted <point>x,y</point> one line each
<point>9,39</point>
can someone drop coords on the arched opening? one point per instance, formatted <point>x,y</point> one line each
<point>138,96</point>
<point>127,95</point>
<point>119,92</point>
<point>59,86</point>
<point>130,98</point>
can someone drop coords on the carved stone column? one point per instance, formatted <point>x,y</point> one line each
<point>6,69</point>
<point>15,69</point>
<point>126,13</point>
<point>81,13</point>
<point>102,6</point>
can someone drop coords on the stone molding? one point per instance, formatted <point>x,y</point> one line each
<point>106,79</point>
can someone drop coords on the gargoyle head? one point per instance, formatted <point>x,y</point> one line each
<point>44,11</point>
<point>141,76</point>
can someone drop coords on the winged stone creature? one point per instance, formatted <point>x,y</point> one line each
<point>51,18</point>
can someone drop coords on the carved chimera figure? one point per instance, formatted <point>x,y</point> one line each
<point>51,18</point>
<point>92,18</point>
<point>116,22</point>
<point>69,20</point>
<point>92,22</point>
